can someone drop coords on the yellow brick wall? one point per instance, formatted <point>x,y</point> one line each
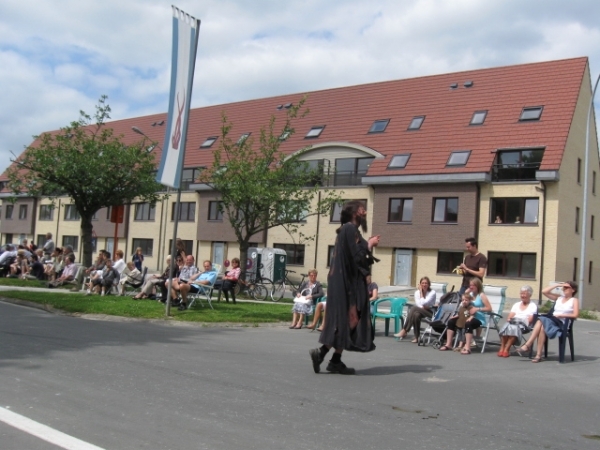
<point>522,238</point>
<point>570,194</point>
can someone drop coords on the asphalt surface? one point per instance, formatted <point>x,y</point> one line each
<point>136,385</point>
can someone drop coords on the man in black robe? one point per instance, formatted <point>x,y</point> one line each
<point>348,325</point>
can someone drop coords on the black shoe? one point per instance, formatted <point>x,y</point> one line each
<point>340,368</point>
<point>182,307</point>
<point>317,359</point>
<point>175,302</point>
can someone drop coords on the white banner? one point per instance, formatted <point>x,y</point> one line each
<point>185,43</point>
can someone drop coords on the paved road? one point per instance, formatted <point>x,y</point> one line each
<point>136,385</point>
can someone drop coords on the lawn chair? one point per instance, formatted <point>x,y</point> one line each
<point>134,288</point>
<point>497,297</point>
<point>396,309</point>
<point>205,291</point>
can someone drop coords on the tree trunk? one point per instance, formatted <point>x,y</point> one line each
<point>243,258</point>
<point>86,238</point>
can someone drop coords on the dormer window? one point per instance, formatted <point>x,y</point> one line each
<point>478,118</point>
<point>315,132</point>
<point>209,142</point>
<point>458,158</point>
<point>243,138</point>
<point>379,126</point>
<point>416,122</point>
<point>532,113</point>
<point>399,161</point>
<point>517,165</point>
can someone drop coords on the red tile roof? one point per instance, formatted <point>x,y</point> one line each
<point>349,112</point>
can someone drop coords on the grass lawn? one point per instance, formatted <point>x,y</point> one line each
<point>249,313</point>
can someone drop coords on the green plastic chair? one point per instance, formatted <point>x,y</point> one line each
<point>316,302</point>
<point>396,308</point>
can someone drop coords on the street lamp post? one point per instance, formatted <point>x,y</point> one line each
<point>585,195</point>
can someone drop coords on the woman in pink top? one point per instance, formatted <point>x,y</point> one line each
<point>565,307</point>
<point>230,279</point>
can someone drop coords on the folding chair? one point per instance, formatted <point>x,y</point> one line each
<point>497,297</point>
<point>205,291</point>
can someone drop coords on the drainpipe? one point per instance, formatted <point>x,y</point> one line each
<point>477,211</point>
<point>317,234</point>
<point>543,246</point>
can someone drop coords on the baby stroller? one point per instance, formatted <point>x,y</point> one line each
<point>438,324</point>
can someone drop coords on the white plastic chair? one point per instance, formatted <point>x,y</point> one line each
<point>497,297</point>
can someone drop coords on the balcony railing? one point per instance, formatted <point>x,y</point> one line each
<point>515,172</point>
<point>349,178</point>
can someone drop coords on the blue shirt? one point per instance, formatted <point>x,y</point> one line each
<point>210,276</point>
<point>478,303</point>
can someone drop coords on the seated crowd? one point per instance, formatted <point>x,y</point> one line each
<point>57,266</point>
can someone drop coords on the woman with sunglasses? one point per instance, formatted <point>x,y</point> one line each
<point>566,306</point>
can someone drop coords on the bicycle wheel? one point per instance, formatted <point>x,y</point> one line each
<point>258,291</point>
<point>278,291</point>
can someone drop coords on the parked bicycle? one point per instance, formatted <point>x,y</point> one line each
<point>255,286</point>
<point>285,283</point>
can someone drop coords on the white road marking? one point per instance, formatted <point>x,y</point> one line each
<point>44,432</point>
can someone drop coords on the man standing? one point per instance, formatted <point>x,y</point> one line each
<point>474,264</point>
<point>48,246</point>
<point>348,325</point>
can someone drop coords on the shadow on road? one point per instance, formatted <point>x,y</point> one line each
<point>29,334</point>
<point>393,370</point>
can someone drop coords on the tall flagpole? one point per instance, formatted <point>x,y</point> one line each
<point>183,60</point>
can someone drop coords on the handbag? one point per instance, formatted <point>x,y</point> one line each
<point>303,297</point>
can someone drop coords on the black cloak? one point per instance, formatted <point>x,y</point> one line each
<point>347,287</point>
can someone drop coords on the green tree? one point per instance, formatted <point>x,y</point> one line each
<point>263,187</point>
<point>88,163</point>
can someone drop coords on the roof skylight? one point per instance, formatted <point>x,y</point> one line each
<point>209,142</point>
<point>458,158</point>
<point>315,132</point>
<point>379,126</point>
<point>242,138</point>
<point>399,161</point>
<point>416,122</point>
<point>533,113</point>
<point>478,118</point>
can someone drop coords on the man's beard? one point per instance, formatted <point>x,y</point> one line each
<point>363,223</point>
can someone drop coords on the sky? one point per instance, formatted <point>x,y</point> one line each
<point>58,57</point>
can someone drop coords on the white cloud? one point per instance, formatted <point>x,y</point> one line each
<point>57,57</point>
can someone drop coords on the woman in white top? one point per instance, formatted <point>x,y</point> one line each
<point>519,321</point>
<point>312,289</point>
<point>565,307</point>
<point>424,302</point>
